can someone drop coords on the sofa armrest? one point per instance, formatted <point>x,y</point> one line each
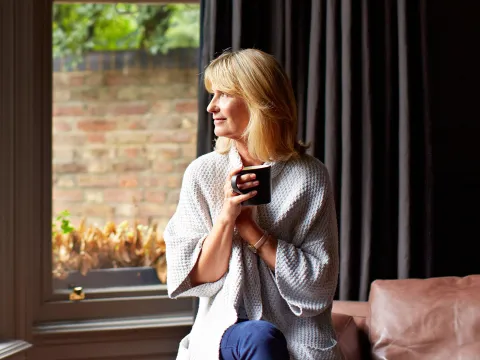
<point>358,310</point>
<point>350,323</point>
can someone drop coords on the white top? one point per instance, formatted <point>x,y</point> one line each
<point>297,297</point>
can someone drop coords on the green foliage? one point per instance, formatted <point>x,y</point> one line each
<point>62,221</point>
<point>80,28</point>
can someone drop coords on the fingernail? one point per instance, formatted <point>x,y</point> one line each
<point>254,192</point>
<point>256,183</point>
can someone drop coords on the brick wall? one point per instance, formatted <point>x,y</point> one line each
<point>121,142</point>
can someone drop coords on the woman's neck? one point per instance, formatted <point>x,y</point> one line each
<point>247,160</point>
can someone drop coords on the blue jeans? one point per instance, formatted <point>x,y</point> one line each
<point>253,340</point>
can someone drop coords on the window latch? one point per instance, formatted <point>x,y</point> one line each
<point>77,294</point>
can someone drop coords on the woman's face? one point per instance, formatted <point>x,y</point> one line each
<point>230,115</point>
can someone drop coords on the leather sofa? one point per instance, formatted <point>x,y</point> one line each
<point>412,319</point>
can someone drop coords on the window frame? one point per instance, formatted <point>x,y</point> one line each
<point>143,306</point>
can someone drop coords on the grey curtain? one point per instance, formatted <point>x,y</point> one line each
<point>360,71</point>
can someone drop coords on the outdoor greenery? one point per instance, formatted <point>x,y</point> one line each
<point>81,28</point>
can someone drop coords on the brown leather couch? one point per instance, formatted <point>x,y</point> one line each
<point>413,319</point>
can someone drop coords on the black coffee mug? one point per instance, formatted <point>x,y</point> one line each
<point>264,188</point>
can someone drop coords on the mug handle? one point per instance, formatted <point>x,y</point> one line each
<point>234,184</point>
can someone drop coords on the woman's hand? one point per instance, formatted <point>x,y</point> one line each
<point>232,204</point>
<point>246,217</point>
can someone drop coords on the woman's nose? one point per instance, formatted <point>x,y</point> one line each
<point>212,106</point>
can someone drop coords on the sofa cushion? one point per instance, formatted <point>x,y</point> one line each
<point>436,318</point>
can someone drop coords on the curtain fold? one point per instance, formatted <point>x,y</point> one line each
<point>359,72</point>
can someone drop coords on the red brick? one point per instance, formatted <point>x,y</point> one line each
<point>174,181</point>
<point>108,93</point>
<point>173,196</point>
<point>115,79</point>
<point>181,166</point>
<point>153,181</point>
<point>190,106</point>
<point>63,155</point>
<point>76,79</point>
<point>99,166</point>
<point>97,181</point>
<point>122,195</point>
<point>164,152</point>
<point>133,123</point>
<point>95,79</point>
<point>61,95</point>
<point>189,121</point>
<point>129,93</point>
<point>68,110</point>
<point>69,139</point>
<point>67,195</point>
<point>132,165</point>
<point>93,196</point>
<point>69,168</point>
<point>189,151</point>
<point>129,137</point>
<point>132,152</point>
<point>162,166</point>
<point>173,136</point>
<point>161,107</point>
<point>159,77</point>
<point>181,136</point>
<point>128,181</point>
<point>64,181</point>
<point>60,80</point>
<point>98,153</point>
<point>160,137</point>
<point>130,108</point>
<point>155,196</point>
<point>178,75</point>
<point>97,210</point>
<point>154,210</point>
<point>172,121</point>
<point>90,94</point>
<point>96,125</point>
<point>96,138</point>
<point>61,126</point>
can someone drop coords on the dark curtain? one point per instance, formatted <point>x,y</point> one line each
<point>361,78</point>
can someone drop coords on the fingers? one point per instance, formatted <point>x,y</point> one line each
<point>238,199</point>
<point>234,172</point>
<point>248,185</point>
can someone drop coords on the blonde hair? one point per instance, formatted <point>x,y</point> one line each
<point>261,82</point>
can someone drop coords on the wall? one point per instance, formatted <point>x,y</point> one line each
<point>122,138</point>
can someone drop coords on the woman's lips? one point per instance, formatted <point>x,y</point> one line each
<point>218,121</point>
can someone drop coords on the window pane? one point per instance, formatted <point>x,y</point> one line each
<point>124,130</point>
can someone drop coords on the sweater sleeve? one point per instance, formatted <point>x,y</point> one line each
<point>307,275</point>
<point>184,236</point>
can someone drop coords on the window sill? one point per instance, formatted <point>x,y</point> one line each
<point>108,325</point>
<point>13,347</point>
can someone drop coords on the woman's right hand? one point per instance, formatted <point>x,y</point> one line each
<point>232,204</point>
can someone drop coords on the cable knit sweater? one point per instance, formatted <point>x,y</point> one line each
<point>297,296</point>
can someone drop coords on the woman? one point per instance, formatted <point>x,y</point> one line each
<point>275,303</point>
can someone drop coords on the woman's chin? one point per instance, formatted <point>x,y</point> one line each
<point>220,133</point>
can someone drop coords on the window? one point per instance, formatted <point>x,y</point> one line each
<point>112,322</point>
<point>124,130</point>
<point>112,156</point>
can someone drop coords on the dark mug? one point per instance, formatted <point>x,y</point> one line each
<point>264,188</point>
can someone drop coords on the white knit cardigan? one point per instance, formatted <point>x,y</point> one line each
<point>297,296</point>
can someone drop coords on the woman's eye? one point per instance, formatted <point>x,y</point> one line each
<point>223,95</point>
